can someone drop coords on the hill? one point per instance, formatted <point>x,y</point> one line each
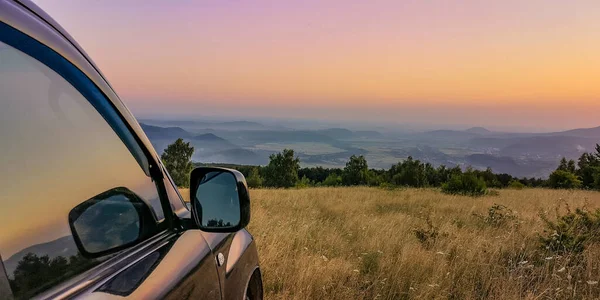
<point>159,133</point>
<point>581,132</point>
<point>519,154</point>
<point>478,130</point>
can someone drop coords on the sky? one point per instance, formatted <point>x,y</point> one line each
<point>502,64</point>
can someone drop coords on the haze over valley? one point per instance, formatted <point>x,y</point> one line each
<point>316,143</point>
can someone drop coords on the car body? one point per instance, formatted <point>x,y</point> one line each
<point>88,209</point>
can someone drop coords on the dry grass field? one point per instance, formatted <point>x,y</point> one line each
<point>370,243</point>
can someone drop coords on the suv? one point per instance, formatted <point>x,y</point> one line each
<point>88,209</point>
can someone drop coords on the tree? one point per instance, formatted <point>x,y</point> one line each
<point>561,179</point>
<point>282,170</point>
<point>409,173</point>
<point>567,166</point>
<point>254,180</point>
<point>177,158</point>
<point>356,171</point>
<point>589,169</point>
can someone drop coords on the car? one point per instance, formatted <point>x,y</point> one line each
<point>88,210</point>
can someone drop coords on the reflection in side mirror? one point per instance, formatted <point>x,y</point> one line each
<point>219,198</point>
<point>110,222</point>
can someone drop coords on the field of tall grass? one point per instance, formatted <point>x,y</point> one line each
<point>371,243</point>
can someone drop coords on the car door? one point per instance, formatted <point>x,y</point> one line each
<point>68,147</point>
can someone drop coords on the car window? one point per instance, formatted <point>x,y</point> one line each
<point>57,153</point>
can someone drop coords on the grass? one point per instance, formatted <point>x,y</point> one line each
<point>369,243</point>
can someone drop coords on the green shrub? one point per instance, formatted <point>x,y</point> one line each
<point>332,180</point>
<point>303,183</point>
<point>516,185</point>
<point>254,180</point>
<point>465,184</point>
<point>572,232</point>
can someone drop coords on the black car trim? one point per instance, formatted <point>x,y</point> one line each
<point>107,270</point>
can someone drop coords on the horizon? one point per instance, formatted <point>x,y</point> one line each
<point>315,124</point>
<point>519,66</point>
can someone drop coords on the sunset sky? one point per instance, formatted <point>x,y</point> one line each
<point>506,64</point>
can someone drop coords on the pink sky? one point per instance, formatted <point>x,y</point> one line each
<point>510,63</point>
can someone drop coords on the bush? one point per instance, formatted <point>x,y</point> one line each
<point>572,232</point>
<point>303,183</point>
<point>465,184</point>
<point>516,185</point>
<point>332,180</point>
<point>254,180</point>
<point>375,179</point>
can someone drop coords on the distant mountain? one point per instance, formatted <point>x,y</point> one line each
<point>251,138</point>
<point>248,142</point>
<point>549,147</point>
<point>208,144</point>
<point>240,124</point>
<point>337,133</point>
<point>478,130</point>
<point>64,246</point>
<point>447,134</point>
<point>195,126</point>
<point>210,137</point>
<point>236,156</point>
<point>158,133</point>
<point>205,145</point>
<point>492,142</point>
<point>343,133</point>
<point>367,133</point>
<point>581,132</point>
<point>505,164</point>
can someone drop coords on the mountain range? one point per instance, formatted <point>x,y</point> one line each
<point>245,142</point>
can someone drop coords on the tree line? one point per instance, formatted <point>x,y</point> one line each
<point>284,171</point>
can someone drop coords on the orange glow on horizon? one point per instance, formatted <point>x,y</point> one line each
<point>380,53</point>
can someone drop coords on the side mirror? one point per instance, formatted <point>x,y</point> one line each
<point>110,221</point>
<point>220,199</point>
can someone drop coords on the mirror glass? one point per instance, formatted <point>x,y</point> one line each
<point>108,221</point>
<point>218,200</point>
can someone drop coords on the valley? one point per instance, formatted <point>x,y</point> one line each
<point>251,143</point>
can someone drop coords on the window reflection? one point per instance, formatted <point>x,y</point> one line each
<point>111,220</point>
<point>57,151</point>
<point>218,199</point>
